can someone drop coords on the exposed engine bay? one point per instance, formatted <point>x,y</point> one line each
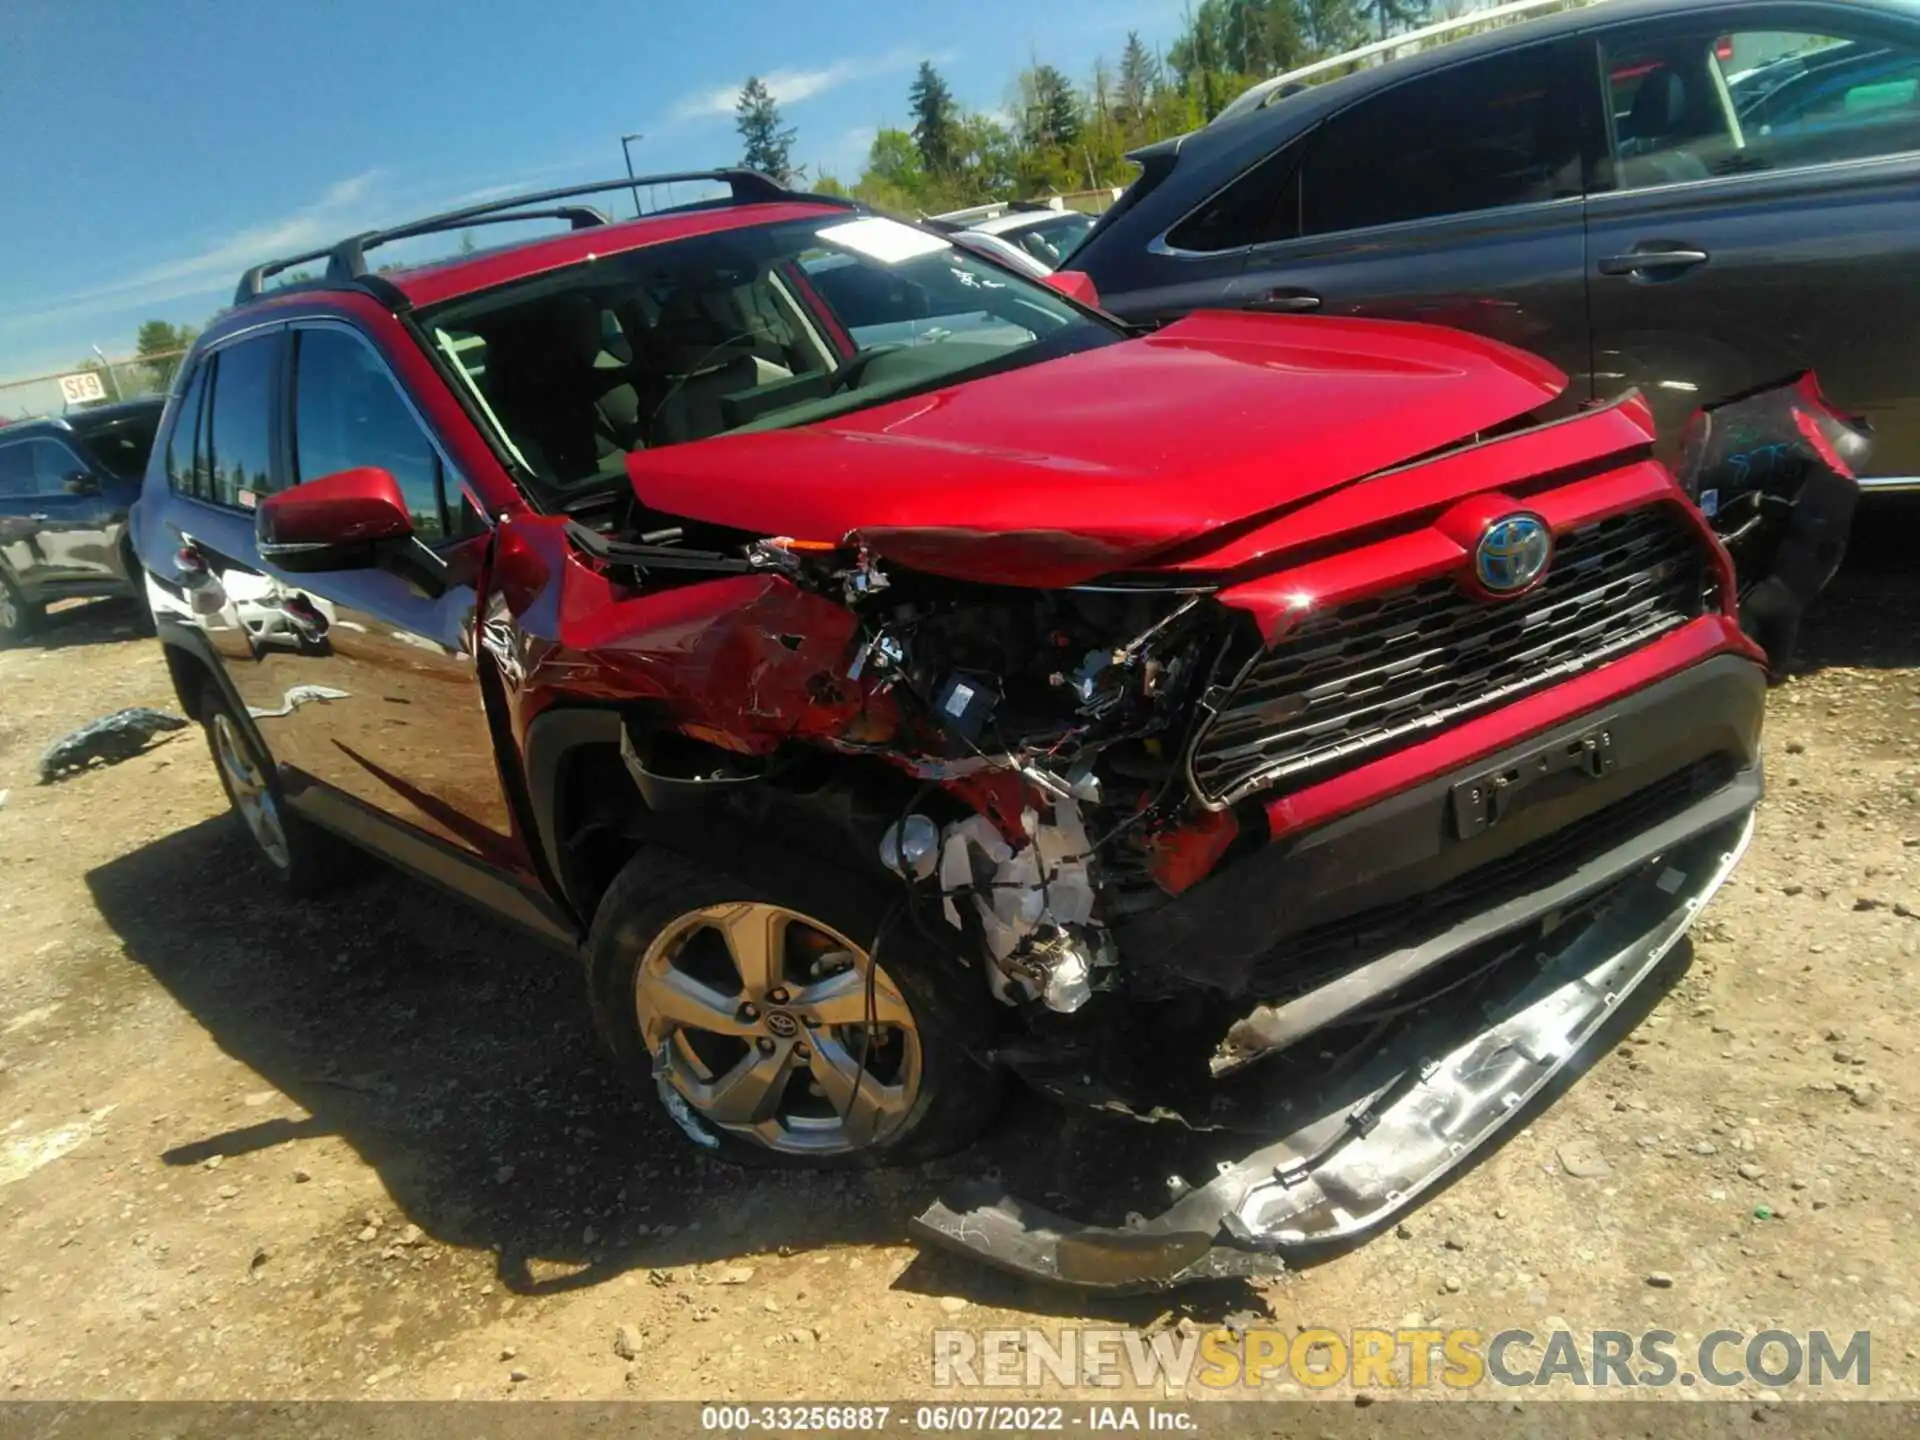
<point>1074,701</point>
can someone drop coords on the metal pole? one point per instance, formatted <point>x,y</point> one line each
<point>625,142</point>
<point>112,374</point>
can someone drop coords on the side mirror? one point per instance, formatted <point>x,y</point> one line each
<point>80,483</point>
<point>1076,285</point>
<point>342,521</point>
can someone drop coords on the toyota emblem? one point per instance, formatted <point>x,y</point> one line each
<point>1512,554</point>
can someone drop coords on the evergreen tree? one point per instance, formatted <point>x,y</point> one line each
<point>769,144</point>
<point>1333,26</point>
<point>1053,116</point>
<point>933,119</point>
<point>1139,78</point>
<point>1395,15</point>
<point>159,345</point>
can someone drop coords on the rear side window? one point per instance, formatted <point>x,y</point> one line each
<point>1492,133</point>
<point>240,421</point>
<point>349,413</point>
<point>1690,107</point>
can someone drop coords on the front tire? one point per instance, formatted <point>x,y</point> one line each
<point>742,1005</point>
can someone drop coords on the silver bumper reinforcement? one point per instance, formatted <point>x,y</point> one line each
<point>1415,1113</point>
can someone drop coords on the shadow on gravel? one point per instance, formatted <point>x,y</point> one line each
<point>445,1049</point>
<point>1869,617</point>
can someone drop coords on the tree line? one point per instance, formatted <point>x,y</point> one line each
<point>1055,136</point>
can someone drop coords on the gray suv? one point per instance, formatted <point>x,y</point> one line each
<point>1691,198</point>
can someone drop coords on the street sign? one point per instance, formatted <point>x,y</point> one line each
<point>81,388</point>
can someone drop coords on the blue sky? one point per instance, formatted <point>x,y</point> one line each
<point>151,149</point>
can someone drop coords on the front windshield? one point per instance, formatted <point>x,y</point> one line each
<point>749,329</point>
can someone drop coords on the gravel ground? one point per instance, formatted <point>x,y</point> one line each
<point>365,1146</point>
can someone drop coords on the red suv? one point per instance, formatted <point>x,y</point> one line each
<point>889,675</point>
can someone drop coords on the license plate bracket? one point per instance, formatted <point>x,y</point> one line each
<point>1481,801</point>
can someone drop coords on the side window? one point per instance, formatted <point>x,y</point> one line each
<point>240,423</point>
<point>183,444</point>
<point>349,413</point>
<point>1263,205</point>
<point>1490,133</point>
<point>1690,107</point>
<point>53,466</point>
<point>16,471</point>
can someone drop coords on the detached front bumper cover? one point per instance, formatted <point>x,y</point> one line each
<point>1413,1113</point>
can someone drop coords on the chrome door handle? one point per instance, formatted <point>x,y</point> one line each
<point>1637,260</point>
<point>1285,302</point>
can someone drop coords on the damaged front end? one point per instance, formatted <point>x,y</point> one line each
<point>1315,834</point>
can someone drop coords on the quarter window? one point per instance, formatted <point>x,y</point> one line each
<point>1695,106</point>
<point>1491,133</point>
<point>189,424</point>
<point>348,413</point>
<point>1262,206</point>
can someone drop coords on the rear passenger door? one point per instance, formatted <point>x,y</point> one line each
<point>1454,197</point>
<point>1757,211</point>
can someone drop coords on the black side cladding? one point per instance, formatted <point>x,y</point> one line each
<point>1774,469</point>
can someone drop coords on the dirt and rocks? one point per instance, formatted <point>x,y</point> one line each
<point>365,1146</point>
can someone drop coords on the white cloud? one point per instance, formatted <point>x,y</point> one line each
<point>790,87</point>
<point>306,228</point>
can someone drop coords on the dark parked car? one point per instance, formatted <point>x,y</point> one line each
<point>65,488</point>
<point>875,720</point>
<point>1689,196</point>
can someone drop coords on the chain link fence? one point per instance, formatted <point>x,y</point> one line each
<point>96,382</point>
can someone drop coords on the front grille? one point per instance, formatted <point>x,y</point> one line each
<point>1355,682</point>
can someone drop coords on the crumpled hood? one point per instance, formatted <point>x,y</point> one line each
<point>1060,472</point>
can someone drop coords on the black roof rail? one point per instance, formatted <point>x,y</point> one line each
<point>347,260</point>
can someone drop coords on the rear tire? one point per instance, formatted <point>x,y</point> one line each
<point>304,859</point>
<point>770,1062</point>
<point>18,619</point>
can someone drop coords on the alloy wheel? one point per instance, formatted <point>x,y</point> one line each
<point>252,796</point>
<point>778,1029</point>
